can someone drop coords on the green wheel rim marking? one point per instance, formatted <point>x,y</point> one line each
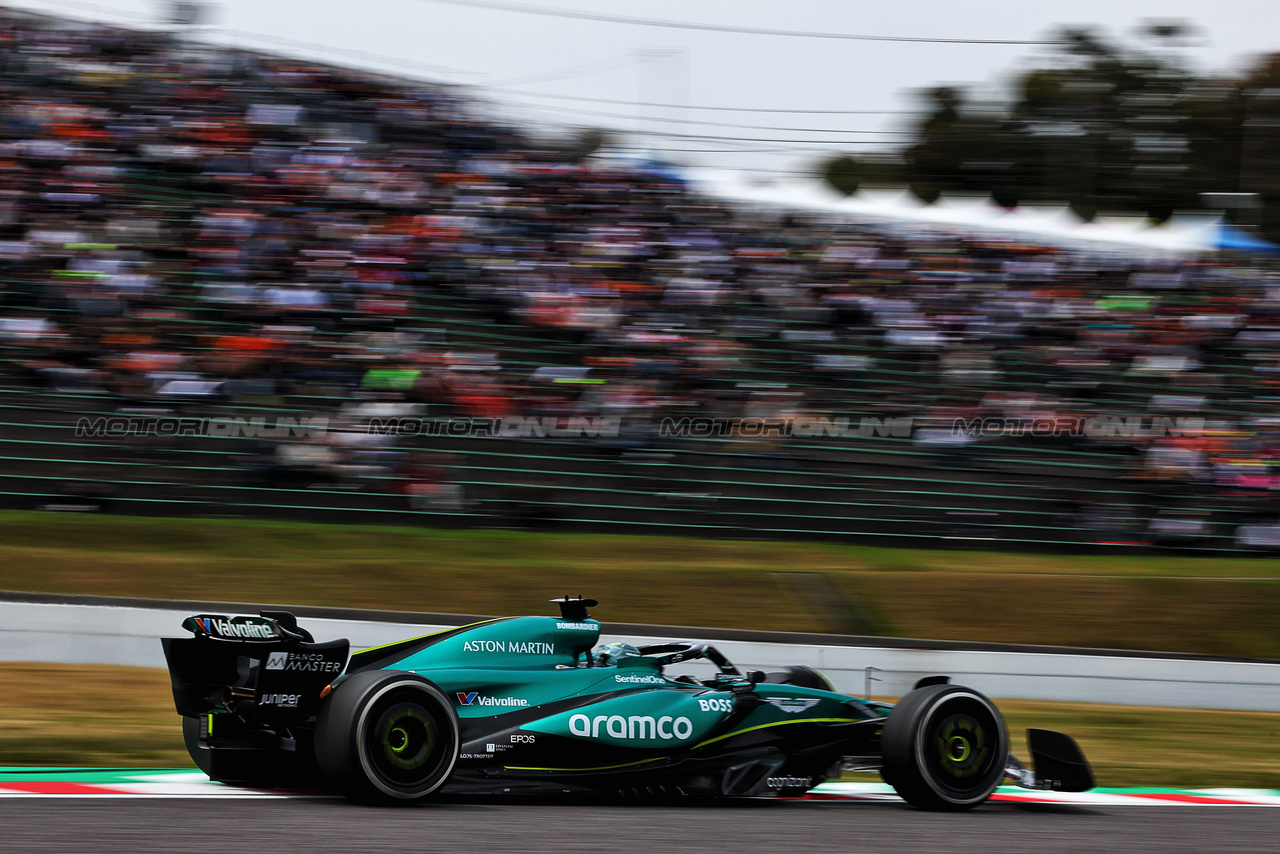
<point>958,748</point>
<point>408,740</point>
<point>961,747</point>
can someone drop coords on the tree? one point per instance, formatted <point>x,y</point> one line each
<point>1105,125</point>
<point>845,173</point>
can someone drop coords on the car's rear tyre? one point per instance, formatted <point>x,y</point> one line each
<point>387,737</point>
<point>944,748</point>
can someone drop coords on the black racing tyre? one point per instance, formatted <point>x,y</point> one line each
<point>387,737</point>
<point>802,676</point>
<point>887,776</point>
<point>944,747</point>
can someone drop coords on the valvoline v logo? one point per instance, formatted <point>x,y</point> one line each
<point>467,699</point>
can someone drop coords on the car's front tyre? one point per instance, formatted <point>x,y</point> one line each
<point>387,737</point>
<point>944,747</point>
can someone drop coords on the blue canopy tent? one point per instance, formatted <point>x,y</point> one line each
<point>1227,236</point>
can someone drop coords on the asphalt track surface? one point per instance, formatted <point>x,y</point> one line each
<point>112,826</point>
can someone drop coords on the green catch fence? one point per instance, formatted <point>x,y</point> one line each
<point>873,489</point>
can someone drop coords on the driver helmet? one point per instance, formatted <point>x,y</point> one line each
<point>612,653</point>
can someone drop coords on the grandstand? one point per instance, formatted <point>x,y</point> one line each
<point>221,235</point>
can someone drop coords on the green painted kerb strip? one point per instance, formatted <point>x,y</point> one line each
<point>89,776</point>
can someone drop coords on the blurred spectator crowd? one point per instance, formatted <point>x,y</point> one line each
<point>192,228</point>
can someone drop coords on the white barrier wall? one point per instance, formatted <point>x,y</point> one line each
<point>99,634</point>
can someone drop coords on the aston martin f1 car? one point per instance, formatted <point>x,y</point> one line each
<point>529,705</point>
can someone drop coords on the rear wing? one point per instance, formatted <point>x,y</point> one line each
<point>266,626</point>
<point>263,666</point>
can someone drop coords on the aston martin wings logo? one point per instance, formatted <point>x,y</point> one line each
<point>792,705</point>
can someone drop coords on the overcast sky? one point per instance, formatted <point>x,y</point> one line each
<point>563,70</point>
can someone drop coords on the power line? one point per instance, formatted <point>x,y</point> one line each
<point>907,135</point>
<point>669,135</point>
<point>709,107</point>
<point>721,28</point>
<point>777,149</point>
<point>498,86</point>
<point>808,173</point>
<point>701,121</point>
<point>721,167</point>
<point>910,135</point>
<point>794,145</point>
<point>740,139</point>
<point>581,70</point>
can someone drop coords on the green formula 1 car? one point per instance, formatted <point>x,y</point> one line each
<point>528,705</point>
